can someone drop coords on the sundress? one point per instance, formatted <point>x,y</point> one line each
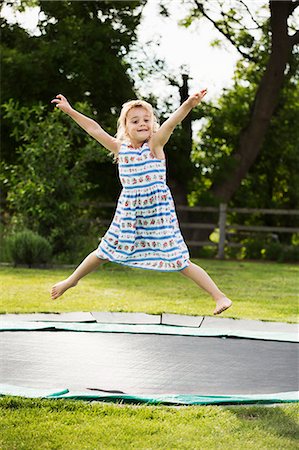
<point>144,232</point>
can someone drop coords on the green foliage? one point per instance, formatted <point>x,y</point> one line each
<point>218,137</point>
<point>207,251</point>
<point>21,5</point>
<point>49,181</point>
<point>49,164</point>
<point>273,180</point>
<point>27,247</point>
<point>252,248</point>
<point>273,251</point>
<point>291,253</point>
<point>229,21</point>
<point>263,247</point>
<point>79,52</point>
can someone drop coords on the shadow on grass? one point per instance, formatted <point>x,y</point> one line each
<point>273,418</point>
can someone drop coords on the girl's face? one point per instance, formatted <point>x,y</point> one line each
<point>139,125</point>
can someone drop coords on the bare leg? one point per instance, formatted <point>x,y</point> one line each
<point>90,263</point>
<point>202,279</point>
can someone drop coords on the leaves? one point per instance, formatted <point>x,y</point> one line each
<point>49,181</point>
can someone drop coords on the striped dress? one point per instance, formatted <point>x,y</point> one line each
<point>144,232</point>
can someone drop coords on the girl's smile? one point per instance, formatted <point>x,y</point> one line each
<point>139,125</point>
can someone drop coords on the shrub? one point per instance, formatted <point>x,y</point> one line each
<point>291,253</point>
<point>47,185</point>
<point>252,248</point>
<point>207,251</point>
<point>273,251</point>
<point>27,247</point>
<point>269,250</point>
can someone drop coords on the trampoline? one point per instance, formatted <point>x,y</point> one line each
<point>166,359</point>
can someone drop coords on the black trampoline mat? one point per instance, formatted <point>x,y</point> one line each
<point>148,364</point>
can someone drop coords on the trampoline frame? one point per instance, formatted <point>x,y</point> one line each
<point>168,324</point>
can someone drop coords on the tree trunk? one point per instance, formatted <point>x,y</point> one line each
<point>251,137</point>
<point>267,95</point>
<point>179,161</point>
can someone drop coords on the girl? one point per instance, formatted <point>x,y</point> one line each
<point>144,232</point>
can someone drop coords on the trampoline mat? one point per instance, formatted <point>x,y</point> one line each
<point>148,364</point>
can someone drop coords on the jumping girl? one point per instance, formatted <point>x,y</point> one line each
<point>144,232</point>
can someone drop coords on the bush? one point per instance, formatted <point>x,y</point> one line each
<point>273,251</point>
<point>252,248</point>
<point>291,253</point>
<point>27,247</point>
<point>259,248</point>
<point>208,251</point>
<point>47,185</point>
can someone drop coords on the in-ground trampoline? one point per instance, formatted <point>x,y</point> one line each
<point>132,357</point>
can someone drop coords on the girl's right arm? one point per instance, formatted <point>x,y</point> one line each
<point>89,125</point>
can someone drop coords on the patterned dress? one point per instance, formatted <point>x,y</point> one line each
<point>144,232</point>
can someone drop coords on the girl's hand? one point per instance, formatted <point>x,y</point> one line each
<point>195,99</point>
<point>62,103</point>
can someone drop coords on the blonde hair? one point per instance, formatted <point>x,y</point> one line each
<point>121,134</point>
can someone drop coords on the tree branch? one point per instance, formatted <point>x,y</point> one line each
<point>295,37</point>
<point>249,12</point>
<point>225,33</point>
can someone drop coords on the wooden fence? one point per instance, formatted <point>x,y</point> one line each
<point>225,229</point>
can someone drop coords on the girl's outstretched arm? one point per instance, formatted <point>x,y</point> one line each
<point>89,125</point>
<point>161,137</point>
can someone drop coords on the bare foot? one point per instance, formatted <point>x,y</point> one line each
<point>222,304</point>
<point>59,288</point>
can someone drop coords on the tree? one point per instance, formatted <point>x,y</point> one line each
<point>248,151</point>
<point>180,161</point>
<point>47,185</point>
<point>274,63</point>
<point>80,52</point>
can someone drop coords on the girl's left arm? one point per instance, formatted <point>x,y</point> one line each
<point>161,136</point>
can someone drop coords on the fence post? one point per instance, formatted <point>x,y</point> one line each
<point>222,226</point>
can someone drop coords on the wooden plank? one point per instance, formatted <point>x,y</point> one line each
<point>212,226</point>
<point>289,212</point>
<point>262,228</point>
<point>204,226</point>
<point>98,204</point>
<point>197,208</point>
<point>182,225</point>
<point>200,243</point>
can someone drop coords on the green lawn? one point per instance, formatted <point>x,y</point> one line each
<point>266,291</point>
<point>68,425</point>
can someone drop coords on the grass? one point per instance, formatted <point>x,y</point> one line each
<point>68,425</point>
<point>265,291</point>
